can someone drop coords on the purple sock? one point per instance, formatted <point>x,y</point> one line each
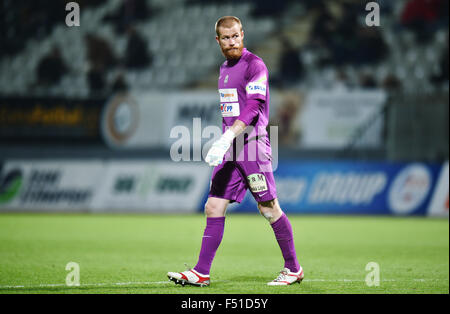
<point>211,240</point>
<point>285,238</point>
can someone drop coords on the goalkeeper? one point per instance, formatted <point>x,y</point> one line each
<point>241,157</point>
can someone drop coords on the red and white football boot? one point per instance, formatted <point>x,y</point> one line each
<point>189,277</point>
<point>286,277</point>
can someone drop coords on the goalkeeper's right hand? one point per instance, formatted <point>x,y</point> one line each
<point>217,151</point>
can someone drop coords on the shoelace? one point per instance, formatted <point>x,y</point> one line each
<point>281,276</point>
<point>187,266</point>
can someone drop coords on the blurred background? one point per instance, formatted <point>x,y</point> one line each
<point>87,113</point>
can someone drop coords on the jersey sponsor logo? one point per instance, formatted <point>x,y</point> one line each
<point>230,109</point>
<point>228,95</point>
<point>256,88</point>
<point>257,182</point>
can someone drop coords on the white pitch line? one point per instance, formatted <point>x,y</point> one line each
<point>85,285</point>
<point>169,282</point>
<point>381,280</point>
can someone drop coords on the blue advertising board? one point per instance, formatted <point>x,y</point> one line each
<point>351,187</point>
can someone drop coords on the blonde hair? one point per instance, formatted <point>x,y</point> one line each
<point>227,21</point>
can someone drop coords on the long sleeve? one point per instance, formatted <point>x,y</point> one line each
<point>250,111</point>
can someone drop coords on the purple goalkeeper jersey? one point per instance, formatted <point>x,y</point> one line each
<point>239,84</point>
<point>244,95</point>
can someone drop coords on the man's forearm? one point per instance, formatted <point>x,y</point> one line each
<point>238,127</point>
<point>233,131</point>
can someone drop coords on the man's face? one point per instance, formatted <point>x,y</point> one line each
<point>231,41</point>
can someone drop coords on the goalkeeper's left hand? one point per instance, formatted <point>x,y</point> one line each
<point>217,151</point>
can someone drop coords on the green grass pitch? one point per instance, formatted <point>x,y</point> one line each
<point>133,253</point>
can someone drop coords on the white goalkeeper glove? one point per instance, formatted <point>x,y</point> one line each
<point>218,149</point>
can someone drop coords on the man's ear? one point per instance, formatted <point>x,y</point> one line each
<point>217,39</point>
<point>242,34</point>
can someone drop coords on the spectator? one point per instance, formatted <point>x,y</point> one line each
<point>101,58</point>
<point>323,26</point>
<point>366,80</point>
<point>371,47</point>
<point>443,68</point>
<point>391,83</point>
<point>119,85</point>
<point>96,80</point>
<point>422,17</point>
<point>269,8</point>
<point>336,33</point>
<point>136,55</point>
<point>51,68</point>
<point>291,66</point>
<point>99,52</point>
<point>128,13</point>
<point>341,80</point>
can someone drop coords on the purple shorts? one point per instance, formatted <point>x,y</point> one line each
<point>231,179</point>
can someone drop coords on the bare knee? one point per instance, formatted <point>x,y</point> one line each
<point>270,210</point>
<point>215,207</point>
